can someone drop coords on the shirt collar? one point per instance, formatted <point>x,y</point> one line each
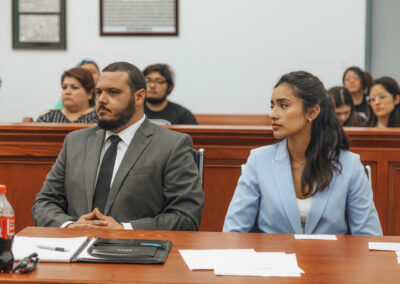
<point>127,134</point>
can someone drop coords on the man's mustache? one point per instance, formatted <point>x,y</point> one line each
<point>104,108</point>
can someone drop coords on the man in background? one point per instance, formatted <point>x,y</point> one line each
<point>160,82</point>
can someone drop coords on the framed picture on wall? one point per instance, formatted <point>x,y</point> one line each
<point>39,24</point>
<point>139,18</point>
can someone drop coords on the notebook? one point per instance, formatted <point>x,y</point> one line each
<point>46,248</point>
<point>124,251</point>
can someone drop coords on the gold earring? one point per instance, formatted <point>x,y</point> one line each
<point>310,119</point>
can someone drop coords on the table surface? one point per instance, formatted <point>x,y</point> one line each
<point>346,260</point>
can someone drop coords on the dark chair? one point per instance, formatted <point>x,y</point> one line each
<point>198,156</point>
<point>367,169</point>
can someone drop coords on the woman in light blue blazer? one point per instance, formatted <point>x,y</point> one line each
<point>308,182</point>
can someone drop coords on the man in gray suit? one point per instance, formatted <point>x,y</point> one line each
<point>124,173</point>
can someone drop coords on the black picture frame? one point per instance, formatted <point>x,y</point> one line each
<point>34,36</point>
<point>120,14</point>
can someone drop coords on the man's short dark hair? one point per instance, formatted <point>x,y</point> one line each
<point>165,71</point>
<point>136,79</point>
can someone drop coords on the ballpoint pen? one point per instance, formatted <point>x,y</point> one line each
<point>52,248</point>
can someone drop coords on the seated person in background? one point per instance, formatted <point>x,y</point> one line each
<point>355,81</point>
<point>384,101</point>
<point>344,108</point>
<point>78,98</point>
<point>160,82</point>
<point>308,182</point>
<point>92,67</point>
<point>124,173</point>
<point>88,65</point>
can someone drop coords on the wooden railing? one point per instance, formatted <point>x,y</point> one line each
<point>233,119</point>
<point>27,152</point>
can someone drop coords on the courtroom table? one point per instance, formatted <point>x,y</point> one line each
<point>346,260</point>
<point>27,151</point>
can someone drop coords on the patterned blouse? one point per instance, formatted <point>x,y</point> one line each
<point>58,116</point>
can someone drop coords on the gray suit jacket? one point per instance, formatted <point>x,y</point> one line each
<point>157,186</point>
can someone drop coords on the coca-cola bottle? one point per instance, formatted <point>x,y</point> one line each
<point>7,229</point>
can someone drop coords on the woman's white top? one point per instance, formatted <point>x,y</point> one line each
<point>304,207</point>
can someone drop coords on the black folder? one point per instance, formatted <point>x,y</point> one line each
<point>124,251</point>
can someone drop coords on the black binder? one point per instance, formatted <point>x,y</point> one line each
<point>125,251</point>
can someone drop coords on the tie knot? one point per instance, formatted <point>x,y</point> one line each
<point>114,139</point>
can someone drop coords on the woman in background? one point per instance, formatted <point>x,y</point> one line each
<point>308,182</point>
<point>78,99</point>
<point>355,81</point>
<point>344,108</point>
<point>384,101</point>
<point>88,65</point>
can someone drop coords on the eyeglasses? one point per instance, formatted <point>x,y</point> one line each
<point>156,81</point>
<point>349,77</point>
<point>23,267</point>
<point>374,99</point>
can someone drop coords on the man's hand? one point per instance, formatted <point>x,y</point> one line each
<point>109,222</point>
<point>103,222</point>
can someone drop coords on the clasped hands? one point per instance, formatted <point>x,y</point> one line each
<point>103,222</point>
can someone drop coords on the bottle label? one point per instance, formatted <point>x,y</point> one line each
<point>7,227</point>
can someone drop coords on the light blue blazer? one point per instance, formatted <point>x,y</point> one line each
<point>266,187</point>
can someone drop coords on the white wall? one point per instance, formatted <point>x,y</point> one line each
<point>385,39</point>
<point>227,57</point>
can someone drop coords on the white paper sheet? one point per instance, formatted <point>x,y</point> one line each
<point>315,237</point>
<point>243,262</point>
<point>208,259</point>
<point>262,264</point>
<point>384,246</point>
<point>23,246</point>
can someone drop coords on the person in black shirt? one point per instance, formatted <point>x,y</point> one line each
<point>160,82</point>
<point>355,81</point>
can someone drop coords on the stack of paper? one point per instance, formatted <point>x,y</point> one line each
<point>244,262</point>
<point>386,246</point>
<point>24,246</point>
<point>315,237</point>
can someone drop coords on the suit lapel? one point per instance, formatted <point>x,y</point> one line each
<point>135,149</point>
<point>284,180</point>
<point>93,149</point>
<point>318,204</point>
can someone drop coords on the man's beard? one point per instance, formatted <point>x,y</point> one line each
<point>156,101</point>
<point>122,118</point>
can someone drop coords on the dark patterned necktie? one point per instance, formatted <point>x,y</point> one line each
<point>105,174</point>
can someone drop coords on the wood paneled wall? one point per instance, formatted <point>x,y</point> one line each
<point>27,152</point>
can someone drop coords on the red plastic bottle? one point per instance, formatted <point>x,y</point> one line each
<point>7,229</point>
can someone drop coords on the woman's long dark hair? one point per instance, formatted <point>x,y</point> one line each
<point>342,97</point>
<point>327,135</point>
<point>393,88</point>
